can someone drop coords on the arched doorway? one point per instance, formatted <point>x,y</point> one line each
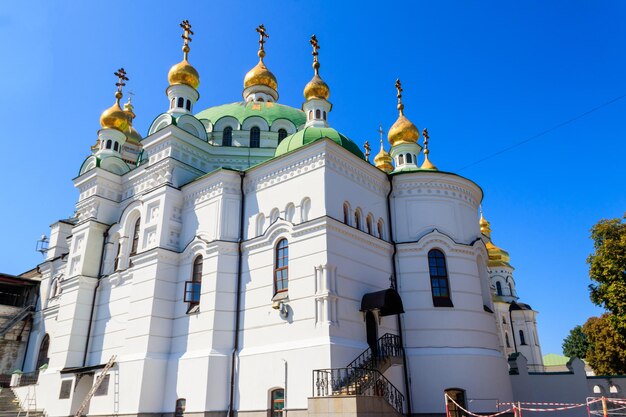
<point>42,357</point>
<point>371,327</point>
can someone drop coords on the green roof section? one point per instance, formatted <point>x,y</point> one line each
<point>242,110</point>
<point>552,359</point>
<point>312,134</point>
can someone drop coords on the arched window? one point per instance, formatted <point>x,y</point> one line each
<point>597,389</point>
<point>260,99</point>
<point>458,396</point>
<point>400,160</point>
<point>109,144</point>
<point>42,357</point>
<point>274,215</point>
<point>277,402</point>
<point>498,288</point>
<point>135,244</point>
<point>227,136</point>
<point>305,209</point>
<point>409,158</point>
<point>503,320</point>
<point>318,114</point>
<point>172,103</point>
<point>310,114</point>
<point>282,134</point>
<point>260,224</point>
<point>116,263</point>
<point>324,114</point>
<point>357,219</point>
<point>439,279</point>
<point>381,231</point>
<point>188,105</point>
<point>281,266</point>
<point>181,102</point>
<point>116,146</point>
<point>511,289</point>
<point>346,213</point>
<point>255,137</point>
<point>290,210</point>
<point>368,223</point>
<point>193,287</point>
<point>506,338</point>
<point>522,339</point>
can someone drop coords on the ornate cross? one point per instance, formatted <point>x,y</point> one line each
<point>400,105</point>
<point>121,75</point>
<point>426,137</point>
<point>315,46</point>
<point>186,37</point>
<point>262,35</point>
<point>368,149</point>
<point>380,132</point>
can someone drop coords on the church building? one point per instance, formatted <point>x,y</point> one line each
<point>248,258</point>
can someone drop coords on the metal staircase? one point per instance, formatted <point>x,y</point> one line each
<point>95,386</point>
<point>19,316</point>
<point>364,375</point>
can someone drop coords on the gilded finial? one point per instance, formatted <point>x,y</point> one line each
<point>380,133</point>
<point>400,105</point>
<point>427,164</point>
<point>186,38</point>
<point>485,227</point>
<point>315,44</point>
<point>121,77</point>
<point>368,150</point>
<point>262,35</point>
<point>383,160</point>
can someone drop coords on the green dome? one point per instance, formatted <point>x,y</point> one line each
<point>312,134</point>
<point>242,110</point>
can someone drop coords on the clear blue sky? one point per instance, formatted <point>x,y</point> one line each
<point>481,76</point>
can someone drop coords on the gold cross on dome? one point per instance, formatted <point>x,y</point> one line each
<point>262,35</point>
<point>426,137</point>
<point>121,75</point>
<point>380,132</point>
<point>399,88</point>
<point>186,31</point>
<point>315,44</point>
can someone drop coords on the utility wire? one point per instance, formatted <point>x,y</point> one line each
<point>544,132</point>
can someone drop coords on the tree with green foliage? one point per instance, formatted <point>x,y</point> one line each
<point>607,348</point>
<point>607,268</point>
<point>575,345</point>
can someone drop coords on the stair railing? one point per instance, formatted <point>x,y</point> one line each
<point>387,346</point>
<point>356,381</point>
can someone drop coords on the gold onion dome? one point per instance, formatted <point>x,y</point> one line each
<point>132,135</point>
<point>260,75</point>
<point>114,117</point>
<point>402,131</point>
<point>383,160</point>
<point>485,227</point>
<point>316,88</point>
<point>184,72</point>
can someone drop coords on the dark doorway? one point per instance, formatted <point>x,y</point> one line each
<point>372,331</point>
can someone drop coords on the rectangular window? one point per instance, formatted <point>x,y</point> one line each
<point>66,389</point>
<point>192,292</point>
<point>103,389</point>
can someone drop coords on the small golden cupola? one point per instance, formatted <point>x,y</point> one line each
<point>183,78</point>
<point>260,84</point>
<point>316,93</point>
<point>316,88</point>
<point>114,117</point>
<point>402,131</point>
<point>383,160</point>
<point>427,164</point>
<point>498,257</point>
<point>403,137</point>
<point>132,135</point>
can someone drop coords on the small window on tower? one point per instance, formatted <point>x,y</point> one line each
<point>282,134</point>
<point>318,114</point>
<point>109,144</point>
<point>409,159</point>
<point>172,103</point>
<point>115,146</point>
<point>324,114</point>
<point>522,339</point>
<point>310,114</point>
<point>181,102</point>
<point>498,288</point>
<point>255,137</point>
<point>227,136</point>
<point>188,105</point>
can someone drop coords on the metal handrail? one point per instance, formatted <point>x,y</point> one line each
<point>387,346</point>
<point>356,381</point>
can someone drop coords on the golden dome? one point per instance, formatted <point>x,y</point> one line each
<point>497,256</point>
<point>485,227</point>
<point>427,164</point>
<point>260,75</point>
<point>383,160</point>
<point>114,117</point>
<point>403,131</point>
<point>184,73</point>
<point>316,89</point>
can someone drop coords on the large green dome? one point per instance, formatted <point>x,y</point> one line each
<point>312,134</point>
<point>242,110</point>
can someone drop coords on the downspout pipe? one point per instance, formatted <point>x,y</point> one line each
<point>512,330</point>
<point>95,292</point>
<point>233,360</point>
<point>405,369</point>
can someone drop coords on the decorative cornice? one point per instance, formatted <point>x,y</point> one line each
<point>284,172</point>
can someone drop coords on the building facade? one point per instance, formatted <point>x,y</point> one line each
<point>249,258</point>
